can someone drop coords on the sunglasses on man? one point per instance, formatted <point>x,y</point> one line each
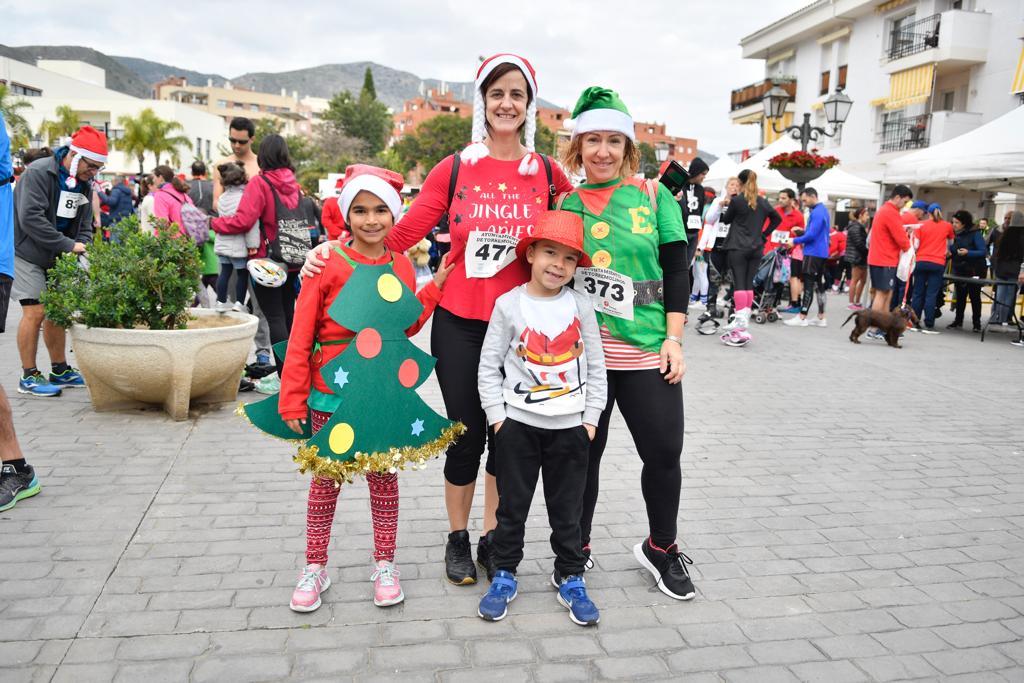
<point>234,141</point>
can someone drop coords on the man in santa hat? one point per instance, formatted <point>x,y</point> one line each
<point>53,215</point>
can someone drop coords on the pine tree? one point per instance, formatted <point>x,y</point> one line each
<point>369,91</point>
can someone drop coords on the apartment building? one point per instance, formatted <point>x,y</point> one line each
<point>437,103</point>
<point>53,83</point>
<point>228,102</point>
<point>919,72</point>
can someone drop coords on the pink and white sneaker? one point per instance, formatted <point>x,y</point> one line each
<point>736,338</point>
<point>312,582</point>
<point>386,589</point>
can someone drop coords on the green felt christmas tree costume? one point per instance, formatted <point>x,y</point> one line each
<point>379,422</point>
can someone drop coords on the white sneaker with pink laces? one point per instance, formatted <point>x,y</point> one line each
<point>386,589</point>
<point>312,582</point>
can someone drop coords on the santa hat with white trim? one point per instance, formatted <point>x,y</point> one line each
<point>89,143</point>
<point>601,109</point>
<point>381,182</point>
<point>478,150</point>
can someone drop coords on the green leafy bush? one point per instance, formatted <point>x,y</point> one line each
<point>134,280</point>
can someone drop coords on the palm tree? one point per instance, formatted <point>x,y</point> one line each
<point>66,124</point>
<point>10,111</point>
<point>147,132</point>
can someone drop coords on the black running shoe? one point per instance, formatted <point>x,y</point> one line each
<point>668,568</point>
<point>483,555</point>
<point>256,371</point>
<point>458,559</point>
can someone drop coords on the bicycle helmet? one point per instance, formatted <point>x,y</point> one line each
<point>266,272</point>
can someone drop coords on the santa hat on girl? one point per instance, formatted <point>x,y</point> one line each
<point>89,143</point>
<point>381,182</point>
<point>478,150</point>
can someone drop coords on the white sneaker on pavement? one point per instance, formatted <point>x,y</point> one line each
<point>817,322</point>
<point>796,321</point>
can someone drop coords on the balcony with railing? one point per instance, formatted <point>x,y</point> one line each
<point>951,40</point>
<point>910,38</point>
<point>745,103</point>
<point>752,94</point>
<point>901,133</point>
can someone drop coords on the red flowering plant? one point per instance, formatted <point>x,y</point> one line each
<point>800,159</point>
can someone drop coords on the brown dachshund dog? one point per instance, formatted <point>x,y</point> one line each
<point>892,324</point>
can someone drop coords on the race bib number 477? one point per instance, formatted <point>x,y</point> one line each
<point>489,252</point>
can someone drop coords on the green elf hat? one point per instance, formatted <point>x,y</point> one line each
<point>601,109</point>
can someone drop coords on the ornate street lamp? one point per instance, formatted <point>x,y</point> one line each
<point>837,108</point>
<point>661,152</point>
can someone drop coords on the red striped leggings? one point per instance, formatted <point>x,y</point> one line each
<point>323,499</point>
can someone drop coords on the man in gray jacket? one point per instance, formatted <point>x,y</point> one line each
<point>52,216</point>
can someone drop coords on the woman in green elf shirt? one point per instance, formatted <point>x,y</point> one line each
<point>634,235</point>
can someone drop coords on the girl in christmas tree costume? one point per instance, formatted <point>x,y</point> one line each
<point>640,286</point>
<point>498,186</point>
<point>348,342</point>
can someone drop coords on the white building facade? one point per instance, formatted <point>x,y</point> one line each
<point>919,72</point>
<point>81,87</point>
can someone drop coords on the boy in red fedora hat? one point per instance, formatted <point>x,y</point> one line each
<point>543,386</point>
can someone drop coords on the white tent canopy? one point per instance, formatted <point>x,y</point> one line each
<point>834,182</point>
<point>990,157</point>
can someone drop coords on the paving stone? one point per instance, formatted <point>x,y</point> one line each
<point>896,667</point>
<point>710,659</point>
<point>166,671</point>
<point>641,640</point>
<point>784,652</point>
<point>406,657</point>
<point>829,672</point>
<point>630,668</point>
<point>251,668</point>
<point>559,648</point>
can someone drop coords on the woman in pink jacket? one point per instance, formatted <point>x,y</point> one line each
<point>170,194</point>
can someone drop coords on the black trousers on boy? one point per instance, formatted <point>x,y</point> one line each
<point>523,452</point>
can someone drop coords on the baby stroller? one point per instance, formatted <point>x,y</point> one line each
<point>768,282</point>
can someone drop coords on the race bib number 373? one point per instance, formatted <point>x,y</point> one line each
<point>611,292</point>
<point>489,252</point>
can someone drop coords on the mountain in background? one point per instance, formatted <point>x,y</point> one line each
<point>135,76</point>
<point>119,77</point>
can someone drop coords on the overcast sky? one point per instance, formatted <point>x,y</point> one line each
<point>671,60</point>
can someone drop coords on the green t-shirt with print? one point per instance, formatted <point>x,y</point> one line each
<point>622,232</point>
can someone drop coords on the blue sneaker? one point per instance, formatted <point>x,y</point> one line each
<point>874,334</point>
<point>69,378</point>
<point>15,486</point>
<point>36,385</point>
<point>572,594</point>
<point>503,590</point>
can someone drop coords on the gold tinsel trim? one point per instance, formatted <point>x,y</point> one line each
<point>240,411</point>
<point>393,460</point>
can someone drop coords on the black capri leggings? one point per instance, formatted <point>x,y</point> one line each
<point>456,343</point>
<point>653,411</point>
<point>278,306</point>
<point>743,264</point>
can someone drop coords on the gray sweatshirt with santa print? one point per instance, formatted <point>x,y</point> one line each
<point>541,362</point>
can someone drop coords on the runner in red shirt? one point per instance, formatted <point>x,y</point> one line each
<point>934,237</point>
<point>331,216</point>
<point>888,239</point>
<point>792,217</point>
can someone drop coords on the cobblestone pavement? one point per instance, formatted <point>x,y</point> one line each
<point>854,513</point>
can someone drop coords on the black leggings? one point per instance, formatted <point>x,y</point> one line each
<point>456,343</point>
<point>719,260</point>
<point>814,283</point>
<point>241,283</point>
<point>743,264</point>
<point>278,306</point>
<point>653,411</point>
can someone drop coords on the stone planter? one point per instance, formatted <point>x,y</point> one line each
<point>130,368</point>
<point>801,175</point>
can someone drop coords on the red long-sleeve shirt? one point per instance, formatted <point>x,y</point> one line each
<point>888,237</point>
<point>334,222</point>
<point>489,196</point>
<point>312,323</point>
<point>257,204</point>
<point>793,218</point>
<point>836,245</point>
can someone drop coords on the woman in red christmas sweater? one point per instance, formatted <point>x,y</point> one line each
<point>500,187</point>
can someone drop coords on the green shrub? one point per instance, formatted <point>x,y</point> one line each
<point>134,280</point>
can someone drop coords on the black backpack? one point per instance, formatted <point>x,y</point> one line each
<point>293,233</point>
